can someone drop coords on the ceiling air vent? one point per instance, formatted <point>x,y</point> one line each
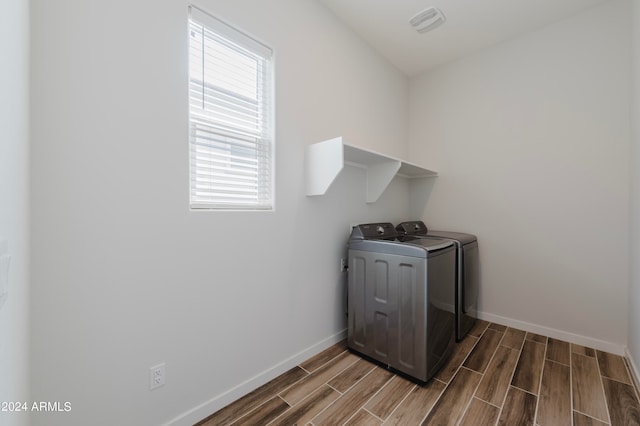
<point>427,20</point>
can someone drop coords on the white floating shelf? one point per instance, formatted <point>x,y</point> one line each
<point>325,160</point>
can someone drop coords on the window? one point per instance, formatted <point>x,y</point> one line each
<point>230,117</point>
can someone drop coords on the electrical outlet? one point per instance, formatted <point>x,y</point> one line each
<point>157,376</point>
<point>343,264</point>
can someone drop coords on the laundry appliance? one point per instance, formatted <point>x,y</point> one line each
<point>467,270</point>
<point>401,299</point>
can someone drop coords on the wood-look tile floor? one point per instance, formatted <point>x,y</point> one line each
<point>495,376</point>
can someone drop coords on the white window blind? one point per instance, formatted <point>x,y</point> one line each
<point>230,117</point>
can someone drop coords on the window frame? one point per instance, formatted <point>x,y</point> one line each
<point>263,141</point>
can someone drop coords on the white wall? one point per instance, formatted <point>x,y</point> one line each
<point>531,139</point>
<point>124,275</point>
<point>634,288</point>
<point>14,204</point>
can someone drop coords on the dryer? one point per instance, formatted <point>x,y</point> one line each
<point>467,270</point>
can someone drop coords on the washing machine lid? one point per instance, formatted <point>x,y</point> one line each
<point>422,247</point>
<point>429,244</point>
<point>460,237</point>
<point>418,248</point>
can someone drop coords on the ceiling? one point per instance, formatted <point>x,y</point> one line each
<point>470,25</point>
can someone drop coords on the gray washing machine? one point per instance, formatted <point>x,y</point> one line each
<point>467,271</point>
<point>401,300</point>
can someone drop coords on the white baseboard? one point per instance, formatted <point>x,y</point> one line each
<point>219,401</point>
<point>556,334</point>
<point>633,369</point>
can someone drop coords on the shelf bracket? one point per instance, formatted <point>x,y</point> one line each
<point>379,176</point>
<point>324,161</point>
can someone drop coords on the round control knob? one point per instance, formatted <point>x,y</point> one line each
<point>380,230</point>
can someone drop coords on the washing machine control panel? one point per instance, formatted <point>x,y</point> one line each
<point>382,230</point>
<point>412,228</point>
